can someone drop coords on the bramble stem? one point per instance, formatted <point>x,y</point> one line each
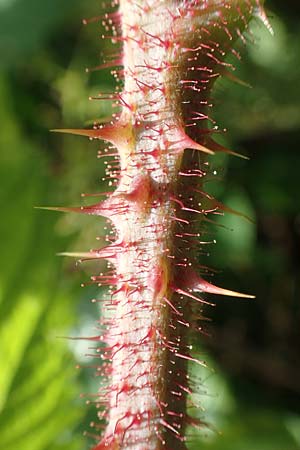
<point>172,54</point>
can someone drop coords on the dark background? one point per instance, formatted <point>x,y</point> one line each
<point>251,391</point>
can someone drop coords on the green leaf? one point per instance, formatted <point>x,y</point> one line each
<point>38,386</point>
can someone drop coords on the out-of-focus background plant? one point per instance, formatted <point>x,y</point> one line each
<point>251,391</point>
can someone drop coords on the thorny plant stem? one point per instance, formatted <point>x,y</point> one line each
<point>173,51</point>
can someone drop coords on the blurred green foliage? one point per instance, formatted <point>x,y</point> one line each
<point>251,392</point>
